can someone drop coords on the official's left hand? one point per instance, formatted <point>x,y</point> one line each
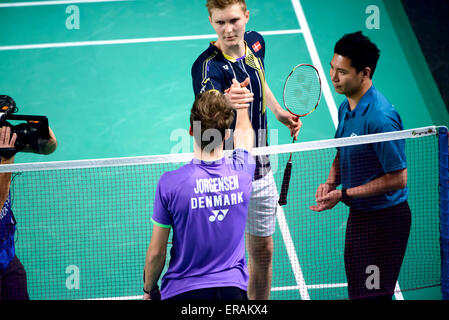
<point>327,201</point>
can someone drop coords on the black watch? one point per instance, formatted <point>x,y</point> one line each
<point>155,294</point>
<point>345,198</point>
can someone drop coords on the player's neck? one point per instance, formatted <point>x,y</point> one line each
<point>355,98</point>
<point>236,51</point>
<point>216,154</point>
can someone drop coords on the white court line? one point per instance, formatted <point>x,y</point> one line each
<point>324,286</point>
<point>397,292</point>
<point>53,3</point>
<point>286,288</point>
<point>131,41</point>
<point>316,60</point>
<point>291,252</point>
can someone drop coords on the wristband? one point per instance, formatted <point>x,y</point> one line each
<point>345,198</point>
<point>155,294</point>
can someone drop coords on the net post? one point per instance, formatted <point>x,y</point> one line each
<point>444,208</point>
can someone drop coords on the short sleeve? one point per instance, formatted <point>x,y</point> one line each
<point>391,154</point>
<point>205,77</point>
<point>257,43</point>
<point>161,215</point>
<point>243,161</point>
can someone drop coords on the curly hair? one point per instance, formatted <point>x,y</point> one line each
<point>214,113</point>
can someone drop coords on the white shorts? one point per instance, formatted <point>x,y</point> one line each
<point>261,220</point>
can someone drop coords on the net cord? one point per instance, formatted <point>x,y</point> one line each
<point>186,157</point>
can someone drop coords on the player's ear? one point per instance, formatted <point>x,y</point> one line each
<point>191,131</point>
<point>366,72</point>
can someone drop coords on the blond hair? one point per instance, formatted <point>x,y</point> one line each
<point>222,4</point>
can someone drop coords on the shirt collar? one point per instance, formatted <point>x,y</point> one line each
<point>362,105</point>
<point>229,58</point>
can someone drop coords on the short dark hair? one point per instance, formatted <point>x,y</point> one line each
<point>359,48</point>
<point>213,111</point>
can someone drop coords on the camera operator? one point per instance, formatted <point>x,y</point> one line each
<point>13,282</point>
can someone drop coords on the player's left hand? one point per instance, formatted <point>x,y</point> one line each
<point>292,122</point>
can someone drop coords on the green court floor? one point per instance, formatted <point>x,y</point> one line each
<point>119,84</point>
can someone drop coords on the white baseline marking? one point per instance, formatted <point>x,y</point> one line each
<point>53,3</point>
<point>316,60</point>
<point>131,41</point>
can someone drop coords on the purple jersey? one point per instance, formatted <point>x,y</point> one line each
<point>206,204</point>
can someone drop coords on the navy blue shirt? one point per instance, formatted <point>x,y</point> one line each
<point>7,229</point>
<point>363,163</point>
<point>215,70</point>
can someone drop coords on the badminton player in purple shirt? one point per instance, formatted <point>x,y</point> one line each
<point>205,202</point>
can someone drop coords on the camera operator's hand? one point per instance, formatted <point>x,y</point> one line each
<point>46,146</point>
<point>50,145</point>
<point>7,141</point>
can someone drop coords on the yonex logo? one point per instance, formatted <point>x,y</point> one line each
<point>226,67</point>
<point>218,215</point>
<point>353,134</point>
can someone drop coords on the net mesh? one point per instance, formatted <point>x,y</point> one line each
<point>83,233</point>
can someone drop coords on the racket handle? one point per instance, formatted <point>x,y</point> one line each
<point>285,184</point>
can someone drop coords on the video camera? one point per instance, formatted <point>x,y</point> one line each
<point>31,134</point>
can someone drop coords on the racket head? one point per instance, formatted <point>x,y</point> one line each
<point>302,90</point>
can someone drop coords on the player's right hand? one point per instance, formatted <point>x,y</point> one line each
<point>239,95</point>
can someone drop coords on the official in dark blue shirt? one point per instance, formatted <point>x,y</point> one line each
<point>373,114</point>
<point>373,176</point>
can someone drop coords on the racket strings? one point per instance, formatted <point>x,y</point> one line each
<point>302,90</point>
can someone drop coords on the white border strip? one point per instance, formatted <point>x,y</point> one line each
<point>186,157</point>
<point>291,253</point>
<point>52,3</point>
<point>398,293</point>
<point>316,60</point>
<point>285,288</point>
<point>131,41</point>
